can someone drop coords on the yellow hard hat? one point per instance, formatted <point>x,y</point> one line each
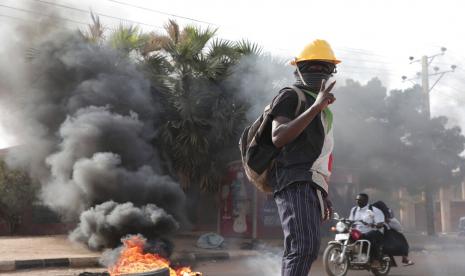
<point>317,50</point>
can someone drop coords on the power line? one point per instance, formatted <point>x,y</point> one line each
<point>350,50</point>
<point>13,17</point>
<point>363,67</point>
<point>43,14</point>
<point>367,61</point>
<point>161,12</point>
<point>97,13</point>
<point>359,51</point>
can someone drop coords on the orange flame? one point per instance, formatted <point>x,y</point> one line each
<point>133,260</point>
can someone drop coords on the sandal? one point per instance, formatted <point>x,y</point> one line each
<point>409,262</point>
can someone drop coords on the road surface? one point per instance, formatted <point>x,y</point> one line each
<point>436,263</point>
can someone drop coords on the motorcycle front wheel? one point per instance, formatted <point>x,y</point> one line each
<point>332,261</point>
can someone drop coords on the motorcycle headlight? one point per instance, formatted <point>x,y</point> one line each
<point>341,227</point>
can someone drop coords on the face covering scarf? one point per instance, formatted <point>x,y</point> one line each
<point>312,80</point>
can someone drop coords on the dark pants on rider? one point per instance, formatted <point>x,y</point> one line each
<point>300,215</point>
<point>375,237</point>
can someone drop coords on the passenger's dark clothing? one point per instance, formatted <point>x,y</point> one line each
<point>375,237</point>
<point>395,243</point>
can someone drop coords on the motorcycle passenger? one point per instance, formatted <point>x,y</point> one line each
<point>370,222</point>
<point>392,223</point>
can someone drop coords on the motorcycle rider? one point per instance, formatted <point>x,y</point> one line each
<point>370,222</point>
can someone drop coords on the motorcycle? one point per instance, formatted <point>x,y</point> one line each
<point>349,251</point>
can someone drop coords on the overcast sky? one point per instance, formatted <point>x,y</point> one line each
<point>373,38</point>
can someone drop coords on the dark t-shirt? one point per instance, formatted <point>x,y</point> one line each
<point>296,158</point>
<point>285,104</point>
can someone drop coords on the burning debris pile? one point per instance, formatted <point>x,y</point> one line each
<point>132,260</point>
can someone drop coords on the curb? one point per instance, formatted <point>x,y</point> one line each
<point>182,258</point>
<point>46,263</point>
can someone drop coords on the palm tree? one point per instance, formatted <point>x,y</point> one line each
<point>202,116</point>
<point>202,119</point>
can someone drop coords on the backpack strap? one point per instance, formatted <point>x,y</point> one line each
<point>354,210</point>
<point>301,96</point>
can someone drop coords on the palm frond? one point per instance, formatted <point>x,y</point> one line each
<point>221,47</point>
<point>155,42</point>
<point>194,40</point>
<point>172,28</point>
<point>95,31</point>
<point>127,38</point>
<point>246,47</point>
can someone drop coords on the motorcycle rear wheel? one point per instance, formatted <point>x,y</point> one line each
<point>385,268</point>
<point>330,256</point>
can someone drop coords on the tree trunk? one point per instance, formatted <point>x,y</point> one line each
<point>12,225</point>
<point>192,199</point>
<point>429,211</point>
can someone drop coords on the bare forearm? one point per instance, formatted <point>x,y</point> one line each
<point>287,132</point>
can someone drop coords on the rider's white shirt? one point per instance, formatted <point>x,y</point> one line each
<point>368,216</point>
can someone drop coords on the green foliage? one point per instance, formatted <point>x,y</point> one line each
<point>128,39</point>
<point>201,118</point>
<point>16,194</point>
<point>246,47</point>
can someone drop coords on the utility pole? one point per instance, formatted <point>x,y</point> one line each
<point>425,84</point>
<point>425,75</point>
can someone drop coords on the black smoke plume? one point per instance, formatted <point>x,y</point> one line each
<point>85,117</point>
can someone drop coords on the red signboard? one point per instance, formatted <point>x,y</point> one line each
<point>237,207</point>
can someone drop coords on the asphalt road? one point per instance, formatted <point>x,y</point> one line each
<point>426,264</point>
<point>437,263</point>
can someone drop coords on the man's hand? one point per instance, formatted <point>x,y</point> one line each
<point>325,97</point>
<point>328,208</point>
<point>379,225</point>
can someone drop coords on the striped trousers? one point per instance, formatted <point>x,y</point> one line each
<point>300,215</point>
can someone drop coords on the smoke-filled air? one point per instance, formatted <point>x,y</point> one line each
<point>87,117</point>
<point>132,134</point>
<point>114,125</point>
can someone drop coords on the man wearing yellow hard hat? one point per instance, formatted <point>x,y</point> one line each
<point>303,166</point>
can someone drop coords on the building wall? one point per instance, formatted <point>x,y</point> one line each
<point>38,220</point>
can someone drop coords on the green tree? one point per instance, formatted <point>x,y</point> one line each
<point>202,120</point>
<point>202,113</point>
<point>16,194</point>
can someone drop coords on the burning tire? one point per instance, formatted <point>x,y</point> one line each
<point>159,272</point>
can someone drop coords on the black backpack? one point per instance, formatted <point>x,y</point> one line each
<point>384,208</point>
<point>257,149</point>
